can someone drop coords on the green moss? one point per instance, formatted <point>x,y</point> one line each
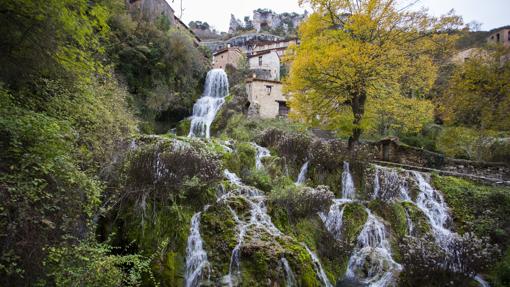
<point>420,221</point>
<point>500,274</point>
<point>183,127</point>
<point>218,230</point>
<point>242,160</point>
<point>354,219</point>
<point>477,208</point>
<point>172,272</point>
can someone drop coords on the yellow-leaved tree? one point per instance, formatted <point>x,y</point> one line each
<point>367,64</point>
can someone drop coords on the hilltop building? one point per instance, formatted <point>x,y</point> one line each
<point>151,10</point>
<point>500,36</point>
<point>228,56</point>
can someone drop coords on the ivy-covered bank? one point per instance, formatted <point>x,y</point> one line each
<point>258,227</point>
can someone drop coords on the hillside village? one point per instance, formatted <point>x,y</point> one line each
<point>356,144</point>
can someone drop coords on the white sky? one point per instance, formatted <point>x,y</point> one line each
<point>491,13</point>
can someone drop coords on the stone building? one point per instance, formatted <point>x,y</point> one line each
<point>266,99</point>
<point>266,63</point>
<point>151,10</point>
<point>229,56</point>
<point>500,36</point>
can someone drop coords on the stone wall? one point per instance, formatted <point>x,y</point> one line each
<point>264,100</point>
<point>391,151</point>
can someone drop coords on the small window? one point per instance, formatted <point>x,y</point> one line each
<point>222,56</point>
<point>498,37</point>
<point>508,35</point>
<point>260,61</point>
<point>269,89</point>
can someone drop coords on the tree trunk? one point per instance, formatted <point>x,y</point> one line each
<point>358,110</point>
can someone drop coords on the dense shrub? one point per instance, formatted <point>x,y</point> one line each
<point>292,145</point>
<point>92,264</point>
<point>161,66</point>
<point>164,167</point>
<point>302,201</point>
<point>424,259</point>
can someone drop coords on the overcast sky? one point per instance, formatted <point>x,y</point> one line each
<point>491,13</point>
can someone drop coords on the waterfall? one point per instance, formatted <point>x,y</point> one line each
<point>481,281</point>
<point>196,257</point>
<point>373,251</point>
<point>258,220</point>
<point>390,185</point>
<point>318,268</point>
<point>409,222</point>
<point>302,174</point>
<point>348,190</point>
<point>290,279</point>
<point>432,203</point>
<point>333,220</point>
<point>205,109</point>
<point>262,152</point>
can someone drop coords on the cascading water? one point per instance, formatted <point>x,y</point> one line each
<point>409,222</point>
<point>390,185</point>
<point>290,279</point>
<point>373,251</point>
<point>333,221</point>
<point>432,204</point>
<point>196,257</point>
<point>348,191</point>
<point>302,174</point>
<point>262,152</point>
<point>258,220</point>
<point>481,281</point>
<point>206,108</point>
<point>318,268</point>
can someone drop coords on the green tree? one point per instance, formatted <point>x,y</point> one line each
<point>477,94</point>
<point>353,52</point>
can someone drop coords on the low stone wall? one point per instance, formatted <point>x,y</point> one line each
<point>391,151</point>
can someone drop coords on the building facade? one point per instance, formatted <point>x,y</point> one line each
<point>266,99</point>
<point>229,56</point>
<point>501,36</point>
<point>266,65</point>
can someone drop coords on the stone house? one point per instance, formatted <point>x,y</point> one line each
<point>279,46</point>
<point>228,56</point>
<point>467,54</point>
<point>151,10</point>
<point>265,65</point>
<point>501,36</point>
<point>266,99</point>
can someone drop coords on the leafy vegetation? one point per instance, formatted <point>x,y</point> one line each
<point>349,68</point>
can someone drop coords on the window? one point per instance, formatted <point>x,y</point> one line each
<point>260,61</point>
<point>498,37</point>
<point>269,89</point>
<point>508,35</point>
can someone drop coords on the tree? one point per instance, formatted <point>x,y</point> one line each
<point>353,52</point>
<point>477,94</point>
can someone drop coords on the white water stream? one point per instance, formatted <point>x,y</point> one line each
<point>302,174</point>
<point>196,257</point>
<point>262,152</point>
<point>318,268</point>
<point>206,108</point>
<point>348,191</point>
<point>374,247</point>
<point>290,278</point>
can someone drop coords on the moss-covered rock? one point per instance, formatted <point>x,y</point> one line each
<point>218,230</point>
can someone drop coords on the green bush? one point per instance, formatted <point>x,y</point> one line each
<point>92,264</point>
